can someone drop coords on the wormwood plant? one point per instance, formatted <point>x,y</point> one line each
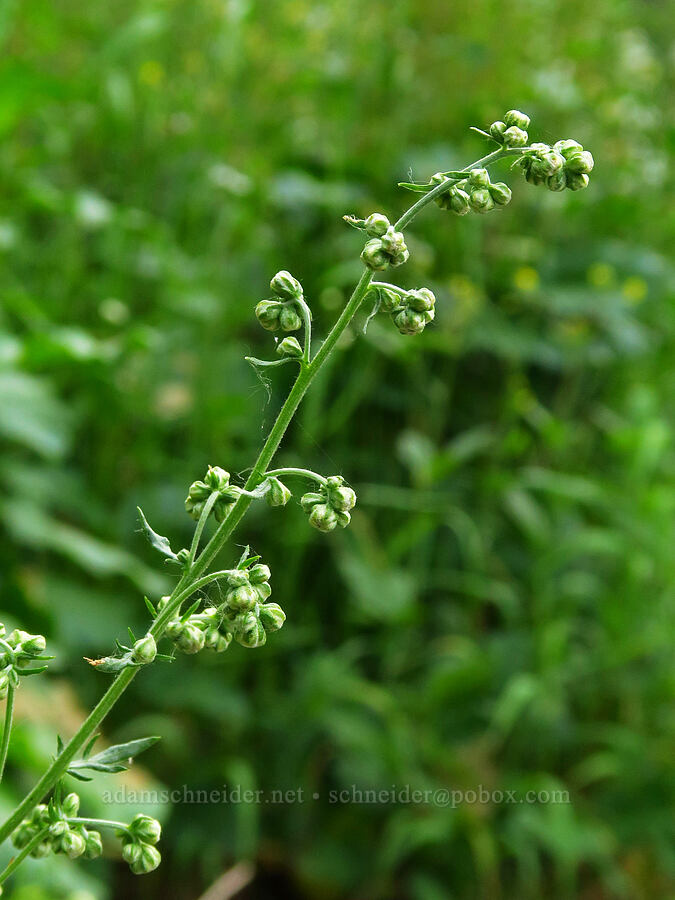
<point>188,620</point>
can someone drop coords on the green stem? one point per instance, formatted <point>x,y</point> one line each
<point>16,862</point>
<point>7,731</point>
<point>99,823</point>
<point>307,374</point>
<point>302,473</point>
<point>206,512</point>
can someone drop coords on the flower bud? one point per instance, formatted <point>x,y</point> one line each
<point>272,617</point>
<point>43,849</point>
<point>285,285</point>
<point>131,852</point>
<point>343,519</point>
<point>376,225</point>
<point>40,815</point>
<point>481,201</point>
<point>374,256</point>
<point>500,193</point>
<point>557,182</point>
<point>23,835</point>
<point>454,199</point>
<point>576,182</point>
<point>70,805</point>
<point>567,146</point>
<point>190,639</point>
<point>389,299</point>
<point>215,640</point>
<point>259,573</point>
<point>147,861</point>
<point>342,499</point>
<point>242,598</point>
<point>237,578</point>
<point>323,517</point>
<point>580,162</point>
<point>145,650</point>
<point>146,829</point>
<point>249,631</point>
<point>408,321</point>
<point>308,500</point>
<point>289,347</point>
<point>393,241</point>
<point>289,319</point>
<point>217,479</point>
<point>33,645</point>
<point>4,685</point>
<point>497,130</point>
<point>517,118</point>
<point>421,299</point>
<point>17,637</point>
<point>73,844</point>
<point>479,178</point>
<point>267,313</point>
<point>93,845</point>
<point>515,137</point>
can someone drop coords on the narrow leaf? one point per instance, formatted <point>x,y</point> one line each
<point>161,544</point>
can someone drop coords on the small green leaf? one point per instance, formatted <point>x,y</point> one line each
<point>151,608</point>
<point>416,188</point>
<point>113,759</point>
<point>161,544</point>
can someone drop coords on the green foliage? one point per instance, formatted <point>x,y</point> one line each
<point>501,610</point>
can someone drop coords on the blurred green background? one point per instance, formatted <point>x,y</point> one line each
<point>501,612</point>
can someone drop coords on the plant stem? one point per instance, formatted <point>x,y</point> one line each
<point>16,862</point>
<point>7,731</point>
<point>189,581</point>
<point>302,473</point>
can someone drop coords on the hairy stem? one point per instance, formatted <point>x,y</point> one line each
<point>7,730</point>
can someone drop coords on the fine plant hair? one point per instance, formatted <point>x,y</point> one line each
<point>47,820</point>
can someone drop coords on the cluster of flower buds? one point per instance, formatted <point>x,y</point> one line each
<point>281,312</point>
<point>564,165</point>
<point>18,650</point>
<point>410,311</point>
<point>199,631</point>
<point>246,613</point>
<point>215,480</point>
<point>138,844</point>
<point>329,506</point>
<point>58,833</point>
<point>386,246</point>
<point>512,132</point>
<point>477,192</point>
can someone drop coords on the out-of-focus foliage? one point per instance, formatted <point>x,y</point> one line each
<point>501,611</point>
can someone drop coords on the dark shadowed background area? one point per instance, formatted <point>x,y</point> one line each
<point>500,614</point>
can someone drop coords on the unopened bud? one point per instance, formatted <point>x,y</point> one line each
<point>421,299</point>
<point>577,182</point>
<point>272,617</point>
<point>481,201</point>
<point>515,137</point>
<point>249,631</point>
<point>259,573</point>
<point>145,650</point>
<point>267,313</point>
<point>278,494</point>
<point>376,225</point>
<point>93,845</point>
<point>289,319</point>
<point>289,347</point>
<point>71,805</point>
<point>479,178</point>
<point>323,517</point>
<point>73,844</point>
<point>285,285</point>
<point>500,193</point>
<point>190,638</point>
<point>497,130</point>
<point>242,598</point>
<point>146,829</point>
<point>580,162</point>
<point>517,118</point>
<point>374,256</point>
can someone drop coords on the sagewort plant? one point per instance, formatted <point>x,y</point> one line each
<point>188,621</point>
